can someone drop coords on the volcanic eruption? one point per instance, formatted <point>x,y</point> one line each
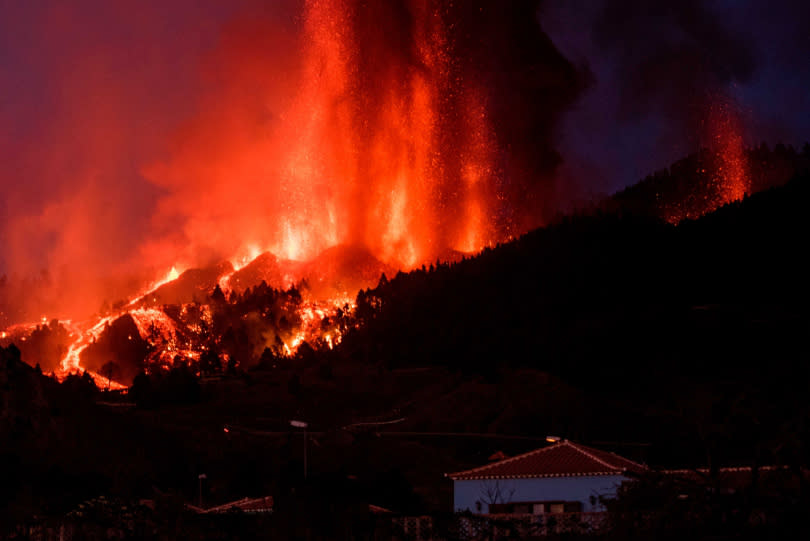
<point>330,143</point>
<point>346,141</point>
<point>412,129</point>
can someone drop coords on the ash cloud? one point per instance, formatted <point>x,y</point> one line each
<point>670,55</point>
<point>531,85</point>
<point>656,67</point>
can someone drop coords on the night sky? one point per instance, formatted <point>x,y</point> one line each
<point>92,93</point>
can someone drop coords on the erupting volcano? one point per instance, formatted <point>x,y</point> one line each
<point>326,148</point>
<point>381,126</point>
<point>350,140</point>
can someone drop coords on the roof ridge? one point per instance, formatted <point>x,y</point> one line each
<point>581,449</point>
<point>505,460</point>
<point>593,461</point>
<point>622,459</point>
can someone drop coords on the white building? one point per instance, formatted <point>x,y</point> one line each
<point>564,477</point>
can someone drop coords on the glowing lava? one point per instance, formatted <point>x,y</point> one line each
<point>726,139</point>
<point>381,136</point>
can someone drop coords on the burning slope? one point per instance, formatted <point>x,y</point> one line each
<point>722,172</point>
<point>190,320</point>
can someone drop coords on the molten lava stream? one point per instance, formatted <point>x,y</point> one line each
<point>85,334</point>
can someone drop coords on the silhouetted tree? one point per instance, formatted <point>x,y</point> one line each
<point>217,295</point>
<point>210,362</point>
<point>110,370</point>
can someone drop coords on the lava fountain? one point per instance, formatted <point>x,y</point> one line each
<point>725,132</point>
<point>372,124</point>
<point>388,146</point>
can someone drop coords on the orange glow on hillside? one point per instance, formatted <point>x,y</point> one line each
<point>721,175</point>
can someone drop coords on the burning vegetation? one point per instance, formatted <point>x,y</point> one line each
<point>189,321</point>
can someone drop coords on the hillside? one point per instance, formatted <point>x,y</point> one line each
<point>695,185</point>
<point>641,315</point>
<point>675,345</point>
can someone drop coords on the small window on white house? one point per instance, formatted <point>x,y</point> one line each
<point>557,508</point>
<point>537,509</point>
<point>522,509</point>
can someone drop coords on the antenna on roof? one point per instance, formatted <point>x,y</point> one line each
<point>553,439</point>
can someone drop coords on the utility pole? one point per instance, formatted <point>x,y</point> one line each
<point>302,424</point>
<point>200,478</point>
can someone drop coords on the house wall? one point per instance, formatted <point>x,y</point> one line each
<point>467,493</point>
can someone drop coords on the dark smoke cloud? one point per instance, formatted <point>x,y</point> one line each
<point>500,47</point>
<point>531,85</point>
<point>669,55</point>
<point>656,68</point>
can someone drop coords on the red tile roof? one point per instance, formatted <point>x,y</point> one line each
<point>563,459</point>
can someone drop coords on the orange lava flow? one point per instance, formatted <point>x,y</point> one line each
<point>84,334</point>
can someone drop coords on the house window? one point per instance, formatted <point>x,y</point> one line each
<point>535,508</point>
<point>557,507</point>
<point>572,507</point>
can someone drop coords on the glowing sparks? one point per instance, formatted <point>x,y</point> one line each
<point>359,154</point>
<point>721,174</point>
<point>727,140</point>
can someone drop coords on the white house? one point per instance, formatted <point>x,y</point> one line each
<point>564,477</point>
